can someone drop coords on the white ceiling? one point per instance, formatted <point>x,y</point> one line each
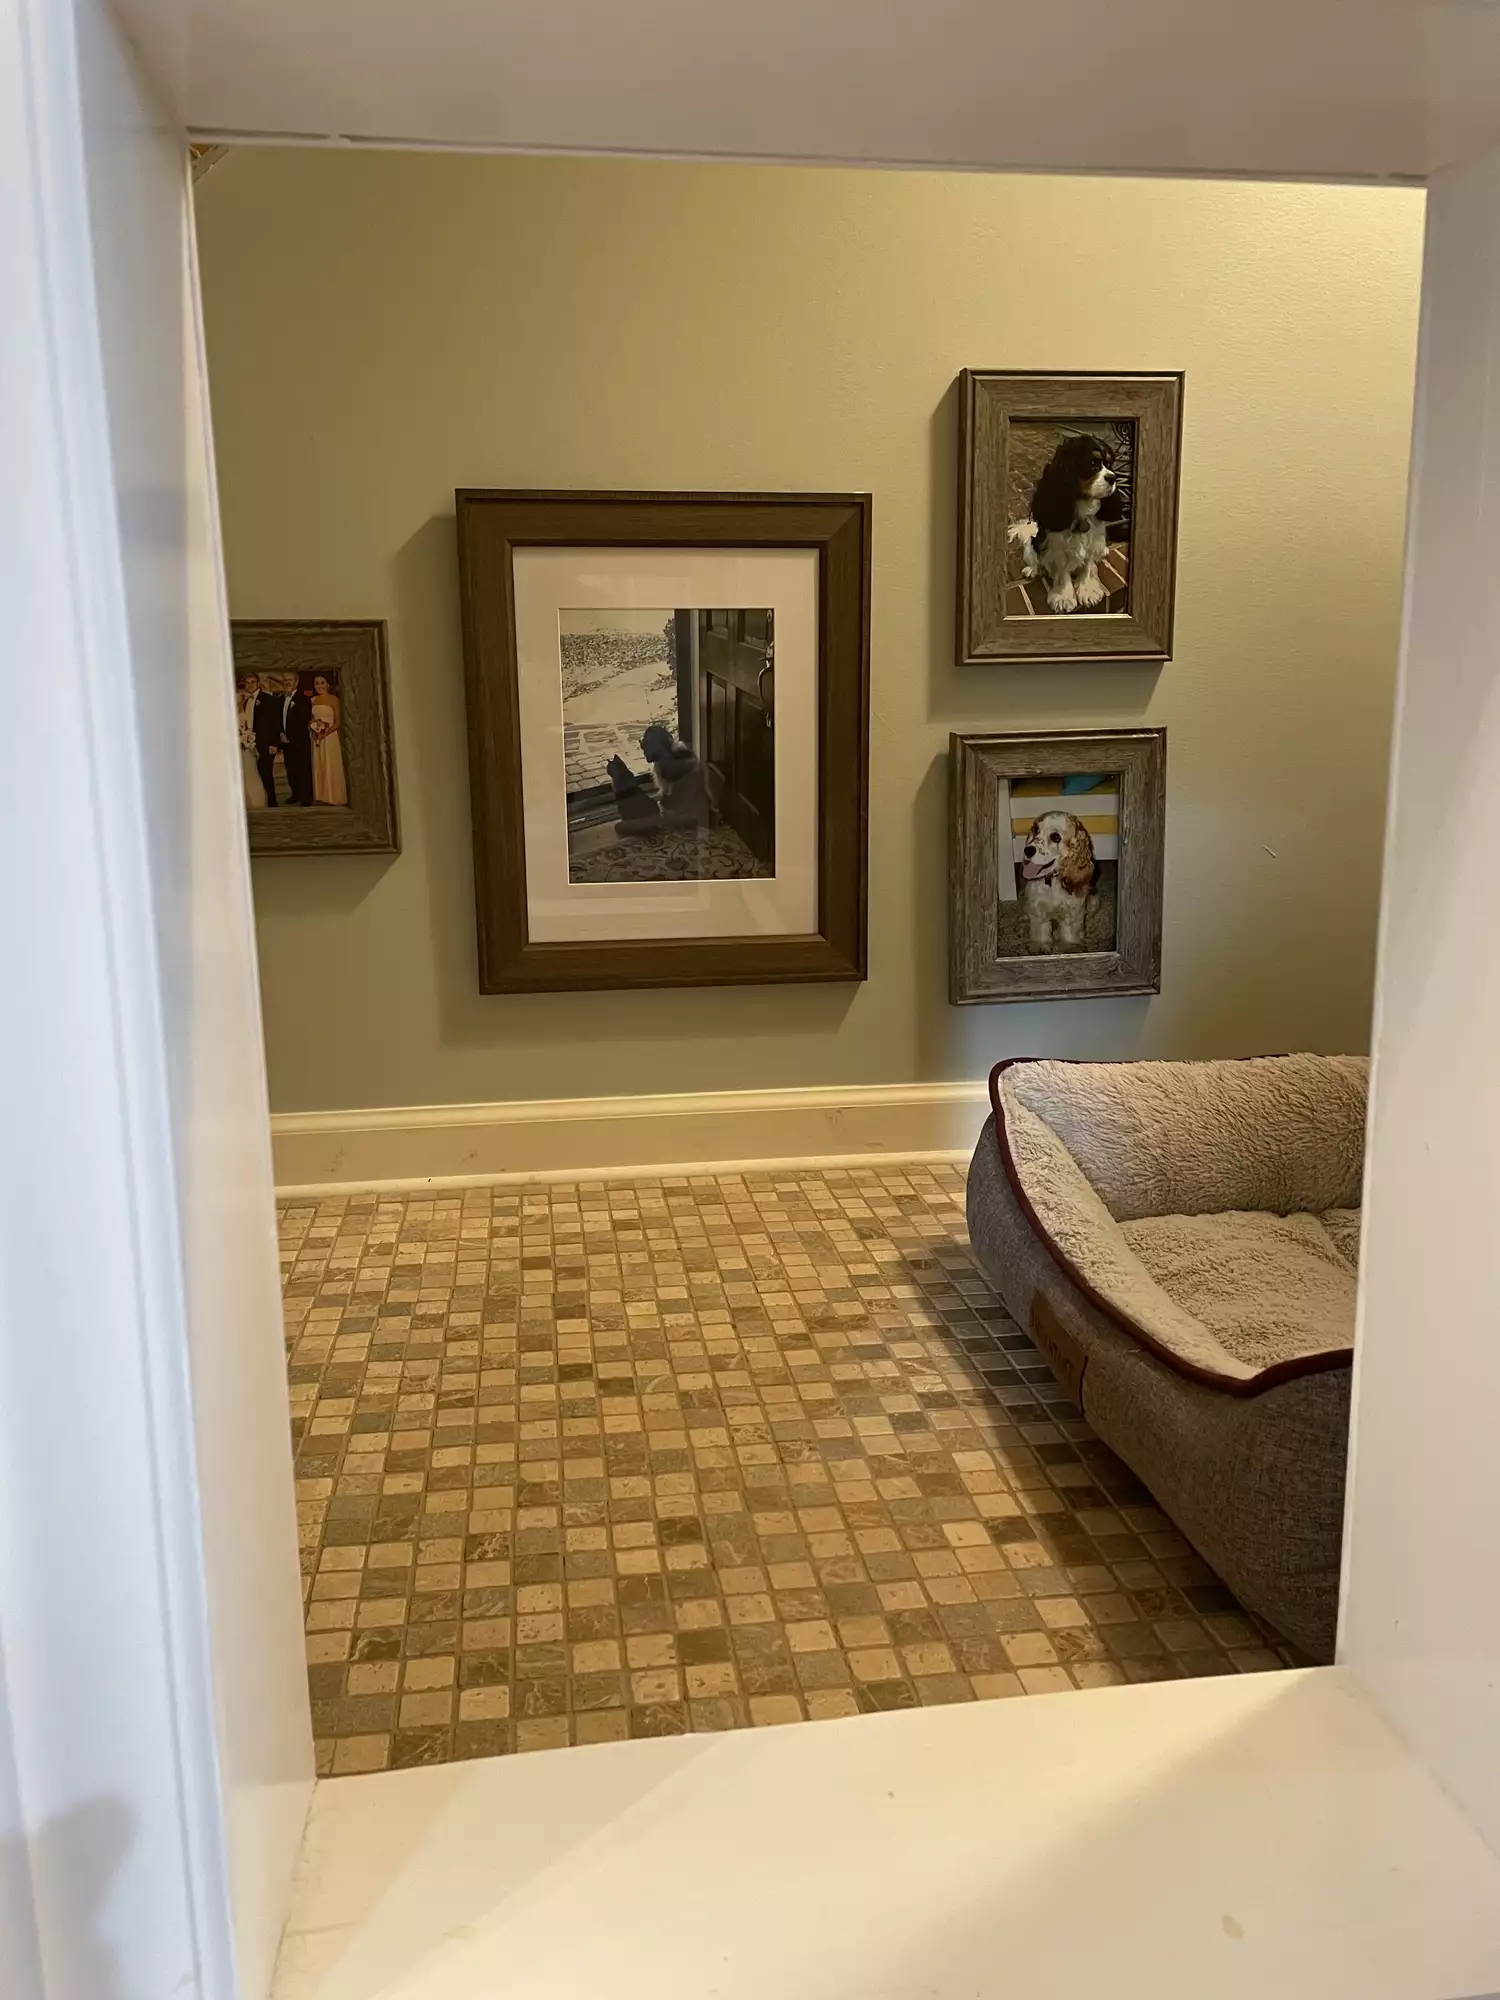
<point>1293,88</point>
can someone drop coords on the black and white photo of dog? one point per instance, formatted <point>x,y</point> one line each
<point>656,785</point>
<point>1077,497</point>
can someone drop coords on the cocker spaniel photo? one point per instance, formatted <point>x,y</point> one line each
<point>1057,870</point>
<point>1066,538</point>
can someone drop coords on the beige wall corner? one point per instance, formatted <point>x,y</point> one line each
<point>385,327</point>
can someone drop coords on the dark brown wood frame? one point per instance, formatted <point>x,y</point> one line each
<point>989,400</point>
<point>977,976</point>
<point>356,648</point>
<point>491,526</point>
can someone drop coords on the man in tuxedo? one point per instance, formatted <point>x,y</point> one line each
<point>266,727</point>
<point>296,739</point>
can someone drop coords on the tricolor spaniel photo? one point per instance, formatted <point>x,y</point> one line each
<point>1072,505</point>
<point>1057,869</point>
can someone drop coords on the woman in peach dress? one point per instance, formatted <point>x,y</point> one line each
<point>329,787</point>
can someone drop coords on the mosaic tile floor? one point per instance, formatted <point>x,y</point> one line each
<point>586,1461</point>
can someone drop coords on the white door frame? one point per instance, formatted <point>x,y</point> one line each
<point>155,1763</point>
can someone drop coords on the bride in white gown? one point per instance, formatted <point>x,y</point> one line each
<point>255,791</point>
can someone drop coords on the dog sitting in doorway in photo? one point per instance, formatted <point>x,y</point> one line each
<point>687,799</point>
<point>639,812</point>
<point>1057,867</point>
<point>1072,505</point>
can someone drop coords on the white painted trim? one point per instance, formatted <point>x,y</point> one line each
<point>1419,1522</point>
<point>606,1137</point>
<point>114,1798</point>
<point>551,1110</point>
<point>1237,1836</point>
<point>772,82</point>
<point>227,1198</point>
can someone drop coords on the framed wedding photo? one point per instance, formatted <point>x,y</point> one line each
<point>1067,511</point>
<point>1056,864</point>
<point>312,698</point>
<point>668,731</point>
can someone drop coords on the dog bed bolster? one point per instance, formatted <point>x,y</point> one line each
<point>1209,1209</point>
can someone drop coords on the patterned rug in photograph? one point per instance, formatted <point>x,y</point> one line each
<point>585,1461</point>
<point>715,854</point>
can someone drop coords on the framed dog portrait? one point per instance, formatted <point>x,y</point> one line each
<point>1056,865</point>
<point>312,699</point>
<point>1067,511</point>
<point>668,722</point>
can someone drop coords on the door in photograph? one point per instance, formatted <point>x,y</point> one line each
<point>737,662</point>
<point>1059,865</point>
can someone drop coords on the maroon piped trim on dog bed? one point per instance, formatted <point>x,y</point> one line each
<point>1233,1385</point>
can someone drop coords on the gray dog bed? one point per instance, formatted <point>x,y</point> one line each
<point>1181,1240</point>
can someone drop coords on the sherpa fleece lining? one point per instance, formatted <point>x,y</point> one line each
<point>1210,1209</point>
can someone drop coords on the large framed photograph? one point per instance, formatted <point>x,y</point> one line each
<point>1067,541</point>
<point>313,701</point>
<point>1056,864</point>
<point>668,722</point>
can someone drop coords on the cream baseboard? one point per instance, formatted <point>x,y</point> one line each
<point>607,1137</point>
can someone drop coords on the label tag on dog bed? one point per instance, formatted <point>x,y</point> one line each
<point>1062,1353</point>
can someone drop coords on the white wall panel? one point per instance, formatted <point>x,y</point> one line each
<point>1421,1603</point>
<point>157,1762</point>
<point>205,962</point>
<point>1290,88</point>
<point>111,1822</point>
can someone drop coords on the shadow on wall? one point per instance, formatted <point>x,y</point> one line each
<point>951,1042</point>
<point>1076,694</point>
<point>326,885</point>
<point>71,1862</point>
<point>437,827</point>
<point>968,1041</point>
<point>1071,694</point>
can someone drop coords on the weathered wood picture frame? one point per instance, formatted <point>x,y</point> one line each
<point>1008,420</point>
<point>991,824</point>
<point>351,654</point>
<point>518,732</point>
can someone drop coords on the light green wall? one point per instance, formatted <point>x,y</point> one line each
<point>385,327</point>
